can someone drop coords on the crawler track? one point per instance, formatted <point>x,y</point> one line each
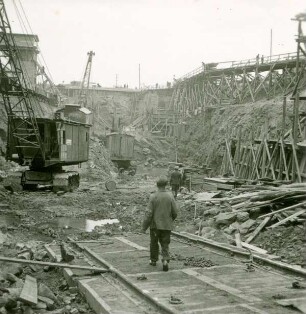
<point>230,284</point>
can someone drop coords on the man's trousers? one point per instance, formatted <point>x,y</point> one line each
<point>163,237</point>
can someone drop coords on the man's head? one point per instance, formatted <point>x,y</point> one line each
<point>176,168</point>
<point>162,182</point>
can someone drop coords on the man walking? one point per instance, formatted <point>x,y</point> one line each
<point>175,180</point>
<point>162,211</point>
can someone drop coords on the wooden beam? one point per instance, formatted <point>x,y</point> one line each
<point>287,219</point>
<point>253,248</point>
<point>250,88</point>
<point>60,265</point>
<point>270,164</point>
<point>284,209</point>
<point>229,157</point>
<point>295,162</point>
<point>255,166</point>
<point>254,160</point>
<point>284,159</point>
<point>221,286</point>
<point>258,229</point>
<point>238,240</point>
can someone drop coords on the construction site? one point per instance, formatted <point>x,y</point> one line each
<point>81,161</point>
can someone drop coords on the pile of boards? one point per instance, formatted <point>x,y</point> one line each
<point>200,183</point>
<point>272,206</point>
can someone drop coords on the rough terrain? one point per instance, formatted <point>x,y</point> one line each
<point>28,220</point>
<point>203,142</point>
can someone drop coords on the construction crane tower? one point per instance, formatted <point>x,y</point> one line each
<point>86,81</point>
<point>43,144</point>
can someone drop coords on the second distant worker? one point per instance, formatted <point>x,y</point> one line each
<point>175,180</point>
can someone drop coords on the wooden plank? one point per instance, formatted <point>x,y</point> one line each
<point>132,244</point>
<point>241,163</point>
<point>288,132</point>
<point>287,219</point>
<point>253,309</point>
<point>248,166</point>
<point>60,265</point>
<point>296,163</point>
<point>249,86</point>
<point>284,209</point>
<point>270,160</point>
<point>302,164</point>
<point>213,309</point>
<point>254,160</point>
<point>28,293</point>
<point>221,286</point>
<point>238,149</point>
<point>284,159</point>
<point>255,165</point>
<point>229,157</point>
<point>258,229</point>
<point>238,240</point>
<point>295,119</point>
<point>253,248</point>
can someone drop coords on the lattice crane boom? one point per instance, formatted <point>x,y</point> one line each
<point>86,80</point>
<point>16,94</point>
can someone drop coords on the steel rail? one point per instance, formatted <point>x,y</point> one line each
<point>242,253</point>
<point>127,281</point>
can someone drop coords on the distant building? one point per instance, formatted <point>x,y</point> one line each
<point>28,51</point>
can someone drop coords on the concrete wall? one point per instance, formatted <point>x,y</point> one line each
<point>28,51</point>
<point>127,103</point>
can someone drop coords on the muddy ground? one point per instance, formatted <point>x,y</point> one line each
<point>28,220</point>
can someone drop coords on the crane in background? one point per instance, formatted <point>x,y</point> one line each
<point>86,80</point>
<point>47,84</point>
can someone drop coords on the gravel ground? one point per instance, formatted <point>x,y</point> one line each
<point>45,216</point>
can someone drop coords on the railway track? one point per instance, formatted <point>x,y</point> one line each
<point>204,277</point>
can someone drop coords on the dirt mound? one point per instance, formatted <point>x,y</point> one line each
<point>286,242</point>
<point>99,165</point>
<point>204,140</point>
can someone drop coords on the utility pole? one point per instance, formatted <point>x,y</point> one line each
<point>176,149</point>
<point>139,76</point>
<point>271,35</point>
<point>116,80</point>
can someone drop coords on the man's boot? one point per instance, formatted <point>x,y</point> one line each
<point>165,266</point>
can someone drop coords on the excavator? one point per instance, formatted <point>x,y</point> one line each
<point>44,144</point>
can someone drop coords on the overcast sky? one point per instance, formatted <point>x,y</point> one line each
<point>166,37</point>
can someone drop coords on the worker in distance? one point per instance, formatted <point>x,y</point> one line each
<point>175,180</point>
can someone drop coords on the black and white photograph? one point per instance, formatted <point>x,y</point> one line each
<point>152,156</point>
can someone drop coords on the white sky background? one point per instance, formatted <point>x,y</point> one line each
<point>166,37</point>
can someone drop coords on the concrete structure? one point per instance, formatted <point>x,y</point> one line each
<point>28,51</point>
<point>134,107</point>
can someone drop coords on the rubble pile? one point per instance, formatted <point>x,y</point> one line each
<point>23,288</point>
<point>193,261</point>
<point>287,242</point>
<point>99,165</point>
<point>153,152</point>
<point>272,217</point>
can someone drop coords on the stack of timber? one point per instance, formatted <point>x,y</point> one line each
<point>244,216</point>
<point>221,183</point>
<point>198,179</point>
<point>201,183</point>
